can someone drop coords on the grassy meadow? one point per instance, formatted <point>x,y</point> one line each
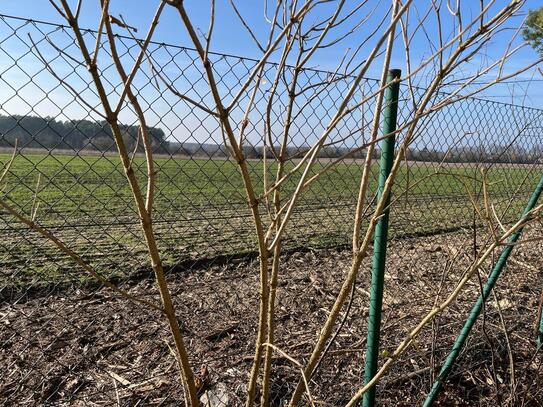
<point>201,212</point>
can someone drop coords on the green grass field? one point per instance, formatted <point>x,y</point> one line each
<point>200,210</point>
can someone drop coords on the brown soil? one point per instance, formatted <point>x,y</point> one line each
<point>89,348</point>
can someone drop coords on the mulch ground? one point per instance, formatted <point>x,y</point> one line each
<point>90,348</point>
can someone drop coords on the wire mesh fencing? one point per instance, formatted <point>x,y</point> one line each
<point>65,340</point>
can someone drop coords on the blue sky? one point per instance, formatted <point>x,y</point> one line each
<point>230,37</point>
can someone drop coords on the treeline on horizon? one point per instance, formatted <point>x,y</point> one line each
<point>51,134</point>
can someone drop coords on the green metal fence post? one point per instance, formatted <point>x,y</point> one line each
<point>540,333</point>
<point>476,310</point>
<point>381,233</point>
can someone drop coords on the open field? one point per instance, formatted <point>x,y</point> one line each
<point>200,210</point>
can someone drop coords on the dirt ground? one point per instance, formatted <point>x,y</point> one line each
<point>89,348</point>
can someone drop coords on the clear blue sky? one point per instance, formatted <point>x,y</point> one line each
<point>230,37</point>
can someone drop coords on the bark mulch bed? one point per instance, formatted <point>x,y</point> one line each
<point>90,348</point>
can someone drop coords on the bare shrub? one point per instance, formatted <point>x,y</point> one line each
<point>450,71</point>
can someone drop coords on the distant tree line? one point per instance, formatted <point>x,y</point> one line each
<point>50,133</point>
<point>257,152</point>
<point>483,153</point>
<point>461,154</point>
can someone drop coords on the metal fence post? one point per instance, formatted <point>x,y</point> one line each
<point>476,310</point>
<point>381,234</point>
<point>540,333</point>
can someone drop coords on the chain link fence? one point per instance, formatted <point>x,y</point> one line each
<point>67,341</point>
